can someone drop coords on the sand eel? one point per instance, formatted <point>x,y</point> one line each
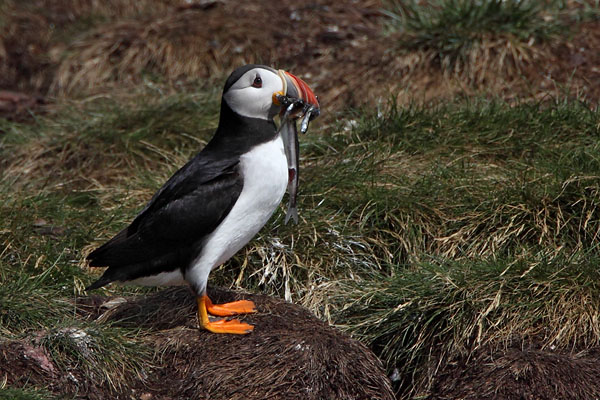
<point>218,201</point>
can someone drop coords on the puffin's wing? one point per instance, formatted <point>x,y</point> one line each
<point>170,229</point>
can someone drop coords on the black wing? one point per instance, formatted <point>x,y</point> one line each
<point>168,233</point>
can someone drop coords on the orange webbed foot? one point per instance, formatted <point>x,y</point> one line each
<point>234,326</point>
<point>228,309</point>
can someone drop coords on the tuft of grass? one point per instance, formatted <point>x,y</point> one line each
<point>108,355</point>
<point>28,301</point>
<point>172,46</point>
<point>474,39</point>
<point>97,141</point>
<point>451,25</point>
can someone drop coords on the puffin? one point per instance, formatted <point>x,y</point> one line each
<point>219,200</point>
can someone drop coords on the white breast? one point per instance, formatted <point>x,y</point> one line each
<point>265,174</point>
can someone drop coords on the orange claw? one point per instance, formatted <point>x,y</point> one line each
<point>228,309</point>
<point>221,326</point>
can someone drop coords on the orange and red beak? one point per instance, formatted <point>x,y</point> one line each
<point>296,88</point>
<point>299,89</point>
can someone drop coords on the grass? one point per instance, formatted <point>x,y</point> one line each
<point>426,231</point>
<point>24,394</point>
<point>477,39</point>
<point>433,312</point>
<point>66,185</point>
<point>430,218</point>
<point>449,25</point>
<point>169,45</point>
<point>35,35</point>
<point>109,355</point>
<point>436,181</point>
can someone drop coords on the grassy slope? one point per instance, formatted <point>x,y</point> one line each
<point>483,221</point>
<point>69,180</point>
<point>426,231</point>
<point>425,228</point>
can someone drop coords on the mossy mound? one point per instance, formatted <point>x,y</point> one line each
<point>289,355</point>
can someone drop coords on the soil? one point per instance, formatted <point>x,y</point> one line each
<point>289,355</point>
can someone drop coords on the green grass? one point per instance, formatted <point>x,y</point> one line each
<point>449,25</point>
<point>419,219</point>
<point>112,356</point>
<point>459,181</point>
<point>425,231</point>
<point>474,38</point>
<point>69,180</point>
<point>24,394</point>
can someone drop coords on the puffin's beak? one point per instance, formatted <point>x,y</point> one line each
<point>299,89</point>
<point>296,88</point>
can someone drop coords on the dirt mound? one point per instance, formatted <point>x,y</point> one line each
<point>521,373</point>
<point>290,355</point>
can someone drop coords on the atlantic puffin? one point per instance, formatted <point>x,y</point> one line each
<point>217,202</point>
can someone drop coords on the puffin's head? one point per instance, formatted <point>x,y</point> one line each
<point>252,90</point>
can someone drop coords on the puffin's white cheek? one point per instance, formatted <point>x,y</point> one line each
<point>250,103</point>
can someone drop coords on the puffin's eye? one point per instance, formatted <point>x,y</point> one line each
<point>257,82</point>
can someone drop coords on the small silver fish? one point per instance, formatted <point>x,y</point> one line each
<point>289,135</point>
<point>295,109</point>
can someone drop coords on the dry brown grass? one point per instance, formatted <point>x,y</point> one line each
<point>186,44</point>
<point>341,48</point>
<point>34,34</point>
<point>493,61</point>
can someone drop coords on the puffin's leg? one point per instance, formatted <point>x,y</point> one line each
<point>220,326</point>
<point>228,309</point>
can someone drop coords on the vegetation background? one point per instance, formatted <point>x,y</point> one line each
<point>449,195</point>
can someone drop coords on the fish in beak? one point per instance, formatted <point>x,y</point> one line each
<point>297,101</point>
